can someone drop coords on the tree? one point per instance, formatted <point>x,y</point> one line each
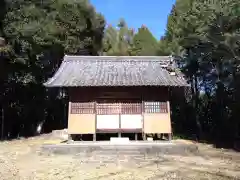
<point>205,34</point>
<point>122,41</point>
<point>164,48</point>
<point>144,43</point>
<point>39,34</point>
<point>118,41</point>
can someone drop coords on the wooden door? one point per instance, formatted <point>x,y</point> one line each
<point>108,117</point>
<point>131,117</point>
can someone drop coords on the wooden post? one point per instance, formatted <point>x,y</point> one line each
<point>119,132</point>
<point>144,137</point>
<point>95,111</point>
<point>136,136</point>
<point>143,134</point>
<point>170,136</point>
<point>169,112</point>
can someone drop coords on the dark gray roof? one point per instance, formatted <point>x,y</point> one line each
<point>114,71</point>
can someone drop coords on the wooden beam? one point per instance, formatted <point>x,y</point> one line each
<point>119,126</point>
<point>95,111</point>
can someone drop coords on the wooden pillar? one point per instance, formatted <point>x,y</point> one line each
<point>119,132</point>
<point>144,136</point>
<point>170,136</point>
<point>136,136</point>
<point>95,111</point>
<point>69,112</point>
<point>169,112</point>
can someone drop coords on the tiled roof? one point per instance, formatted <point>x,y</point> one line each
<point>114,71</point>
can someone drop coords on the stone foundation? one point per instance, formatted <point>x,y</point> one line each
<point>132,151</point>
<point>60,134</point>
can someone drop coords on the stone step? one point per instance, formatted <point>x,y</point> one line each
<point>107,152</point>
<point>114,159</point>
<point>115,155</point>
<point>126,157</point>
<point>129,150</point>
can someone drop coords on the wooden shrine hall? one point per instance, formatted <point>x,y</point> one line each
<point>118,94</point>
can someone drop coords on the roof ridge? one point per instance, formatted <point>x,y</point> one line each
<point>119,58</point>
<point>66,55</point>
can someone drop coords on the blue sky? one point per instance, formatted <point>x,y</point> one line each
<point>152,13</point>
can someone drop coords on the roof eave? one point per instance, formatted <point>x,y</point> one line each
<point>177,85</point>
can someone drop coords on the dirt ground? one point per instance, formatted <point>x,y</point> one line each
<point>21,159</point>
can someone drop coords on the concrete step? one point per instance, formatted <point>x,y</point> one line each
<point>119,158</point>
<point>106,154</point>
<point>129,150</point>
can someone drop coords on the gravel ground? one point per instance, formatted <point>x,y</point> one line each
<point>21,159</point>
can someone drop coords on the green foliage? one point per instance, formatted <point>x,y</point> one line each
<point>117,41</point>
<point>37,29</point>
<point>38,34</point>
<point>205,34</point>
<point>164,48</point>
<point>144,43</point>
<point>122,41</point>
<point>74,25</point>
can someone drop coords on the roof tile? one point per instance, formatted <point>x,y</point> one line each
<point>114,71</point>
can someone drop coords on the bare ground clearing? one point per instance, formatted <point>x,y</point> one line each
<point>20,160</point>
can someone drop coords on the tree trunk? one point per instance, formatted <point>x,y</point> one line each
<point>2,124</point>
<point>196,108</point>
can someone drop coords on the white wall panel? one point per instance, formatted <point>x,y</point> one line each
<point>107,121</point>
<point>131,121</point>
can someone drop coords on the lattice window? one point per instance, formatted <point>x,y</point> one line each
<point>155,107</point>
<point>163,107</point>
<point>131,108</point>
<point>82,108</point>
<point>108,108</point>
